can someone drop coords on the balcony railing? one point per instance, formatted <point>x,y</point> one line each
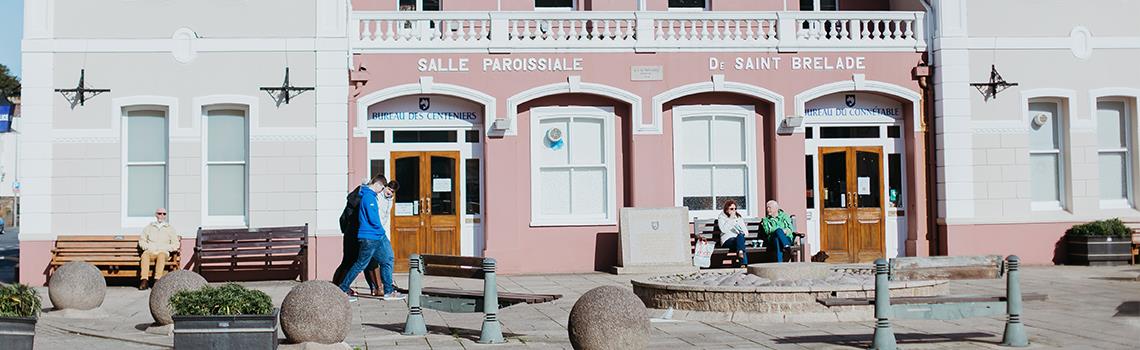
<point>640,31</point>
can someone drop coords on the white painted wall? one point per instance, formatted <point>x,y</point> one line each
<point>184,52</point>
<point>1079,48</point>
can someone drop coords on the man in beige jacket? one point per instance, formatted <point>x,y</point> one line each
<point>157,241</point>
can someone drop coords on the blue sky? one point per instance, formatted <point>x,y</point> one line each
<point>11,31</point>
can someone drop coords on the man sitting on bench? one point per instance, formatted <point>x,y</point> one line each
<point>779,228</point>
<point>157,241</point>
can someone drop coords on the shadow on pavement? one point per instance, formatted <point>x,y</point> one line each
<point>1128,309</point>
<point>469,334</point>
<point>864,340</point>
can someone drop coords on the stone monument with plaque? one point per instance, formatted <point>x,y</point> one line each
<point>655,240</point>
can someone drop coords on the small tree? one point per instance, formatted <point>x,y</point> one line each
<point>9,85</point>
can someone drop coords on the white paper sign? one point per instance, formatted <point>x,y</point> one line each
<point>864,185</point>
<point>441,185</point>
<point>405,209</point>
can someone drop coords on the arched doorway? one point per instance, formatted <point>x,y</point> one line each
<point>432,145</point>
<point>855,159</point>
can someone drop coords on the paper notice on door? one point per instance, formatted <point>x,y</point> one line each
<point>405,209</point>
<point>441,185</point>
<point>864,185</point>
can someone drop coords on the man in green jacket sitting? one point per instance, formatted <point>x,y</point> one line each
<point>779,228</point>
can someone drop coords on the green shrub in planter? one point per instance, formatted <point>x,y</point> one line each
<point>19,300</point>
<point>228,299</point>
<point>1100,228</point>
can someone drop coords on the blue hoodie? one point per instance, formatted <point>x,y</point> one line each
<point>369,216</point>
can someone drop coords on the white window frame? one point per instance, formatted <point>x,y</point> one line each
<point>573,7</point>
<point>743,111</point>
<point>816,6</point>
<point>1063,126</point>
<point>607,115</point>
<point>249,107</point>
<point>419,6</point>
<point>1128,150</point>
<point>688,9</point>
<point>169,107</point>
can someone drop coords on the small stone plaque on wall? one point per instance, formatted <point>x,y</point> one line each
<point>646,73</point>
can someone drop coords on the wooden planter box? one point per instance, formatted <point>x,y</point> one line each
<point>1098,251</point>
<point>18,333</point>
<point>247,332</point>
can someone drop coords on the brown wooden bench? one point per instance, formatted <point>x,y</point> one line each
<point>114,255</point>
<point>266,253</point>
<point>708,230</point>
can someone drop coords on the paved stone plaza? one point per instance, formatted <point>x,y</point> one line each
<point>1087,308</point>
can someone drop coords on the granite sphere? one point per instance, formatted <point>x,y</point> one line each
<point>609,317</point>
<point>77,285</point>
<point>166,287</point>
<point>315,311</point>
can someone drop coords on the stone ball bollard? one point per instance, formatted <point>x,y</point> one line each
<point>609,317</point>
<point>77,285</point>
<point>315,311</point>
<point>165,288</point>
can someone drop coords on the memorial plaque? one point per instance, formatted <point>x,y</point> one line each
<point>646,73</point>
<point>655,240</point>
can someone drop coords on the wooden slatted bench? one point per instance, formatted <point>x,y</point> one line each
<point>461,300</point>
<point>114,255</point>
<point>708,230</point>
<point>944,307</point>
<point>266,253</point>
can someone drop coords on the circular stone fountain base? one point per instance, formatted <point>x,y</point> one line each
<point>787,293</point>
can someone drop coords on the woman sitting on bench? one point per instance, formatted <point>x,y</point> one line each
<point>732,231</point>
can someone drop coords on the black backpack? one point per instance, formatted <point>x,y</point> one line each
<point>349,221</point>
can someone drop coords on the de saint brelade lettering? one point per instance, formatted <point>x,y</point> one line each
<point>502,64</point>
<point>804,63</point>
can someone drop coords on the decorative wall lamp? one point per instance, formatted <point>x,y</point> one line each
<point>80,94</point>
<point>793,121</point>
<point>285,92</point>
<point>994,86</point>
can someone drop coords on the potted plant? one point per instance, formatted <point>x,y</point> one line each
<point>1099,243</point>
<point>225,317</point>
<point>19,310</point>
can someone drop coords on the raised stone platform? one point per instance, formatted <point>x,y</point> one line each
<point>738,292</point>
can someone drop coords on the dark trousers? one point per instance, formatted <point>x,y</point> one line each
<point>351,251</point>
<point>778,242</point>
<point>737,244</point>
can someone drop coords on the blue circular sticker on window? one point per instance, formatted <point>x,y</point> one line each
<point>554,138</point>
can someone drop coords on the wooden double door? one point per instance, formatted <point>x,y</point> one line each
<point>852,225</point>
<point>425,215</point>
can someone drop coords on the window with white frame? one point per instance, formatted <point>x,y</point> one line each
<point>688,4</point>
<point>572,166</point>
<point>564,5</point>
<point>715,152</point>
<point>146,157</point>
<point>419,5</point>
<point>819,5</point>
<point>1046,153</point>
<point>227,145</point>
<point>1113,123</point>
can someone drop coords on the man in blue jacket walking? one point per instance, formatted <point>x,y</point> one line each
<point>374,244</point>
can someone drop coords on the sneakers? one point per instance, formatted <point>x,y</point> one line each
<point>394,295</point>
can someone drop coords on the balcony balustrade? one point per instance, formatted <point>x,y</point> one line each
<point>638,31</point>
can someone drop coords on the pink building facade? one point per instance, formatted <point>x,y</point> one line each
<point>518,134</point>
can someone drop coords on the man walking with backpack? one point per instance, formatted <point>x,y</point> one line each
<point>349,224</point>
<point>374,243</point>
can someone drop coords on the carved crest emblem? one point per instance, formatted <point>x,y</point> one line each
<point>850,100</point>
<point>425,103</point>
<point>655,224</point>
